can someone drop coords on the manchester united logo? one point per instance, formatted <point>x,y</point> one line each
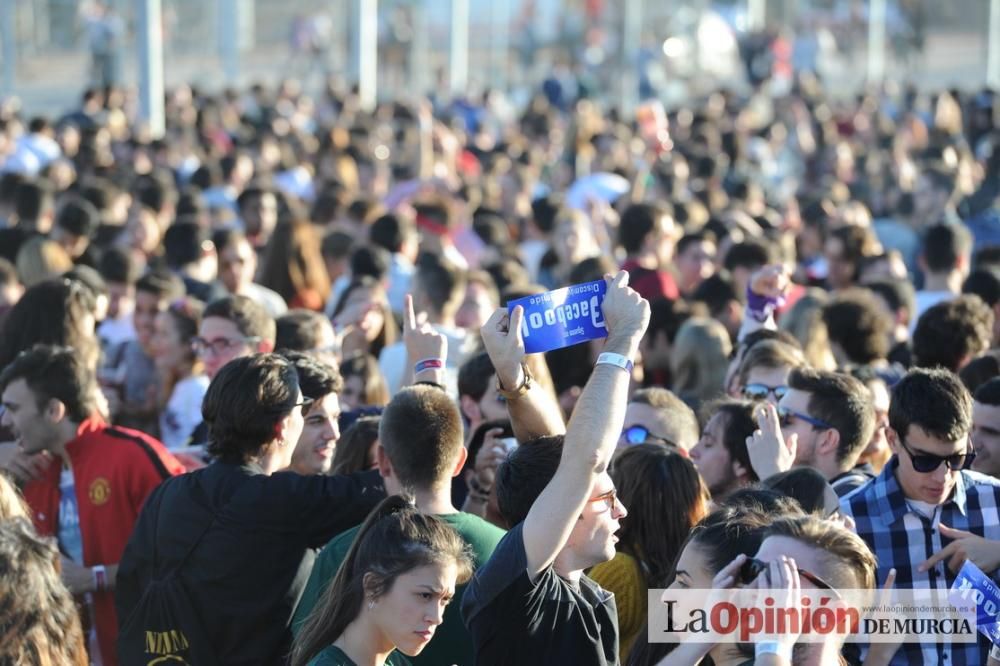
<point>100,491</point>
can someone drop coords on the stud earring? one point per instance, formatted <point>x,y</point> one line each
<point>371,605</point>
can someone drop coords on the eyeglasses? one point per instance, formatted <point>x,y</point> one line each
<point>220,345</point>
<point>786,416</point>
<point>925,463</point>
<point>305,404</point>
<point>639,434</point>
<point>757,391</point>
<point>609,498</point>
<point>753,567</point>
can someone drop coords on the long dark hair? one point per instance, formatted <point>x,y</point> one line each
<point>393,540</point>
<point>51,312</point>
<point>665,497</point>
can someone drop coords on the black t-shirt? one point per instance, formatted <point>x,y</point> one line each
<point>247,572</point>
<point>13,239</point>
<point>550,621</point>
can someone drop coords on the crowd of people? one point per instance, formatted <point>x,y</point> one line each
<point>264,401</point>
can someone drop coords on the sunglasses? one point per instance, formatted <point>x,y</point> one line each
<point>638,434</point>
<point>609,498</point>
<point>787,416</point>
<point>756,391</point>
<point>926,463</point>
<point>753,567</point>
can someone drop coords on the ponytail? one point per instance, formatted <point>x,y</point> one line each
<point>341,602</point>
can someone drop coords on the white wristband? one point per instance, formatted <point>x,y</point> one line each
<point>611,358</point>
<point>780,650</point>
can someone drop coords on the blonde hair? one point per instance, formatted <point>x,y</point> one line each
<point>770,354</point>
<point>12,505</point>
<point>41,259</point>
<point>699,359</point>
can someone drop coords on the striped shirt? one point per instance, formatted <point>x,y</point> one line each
<point>902,537</point>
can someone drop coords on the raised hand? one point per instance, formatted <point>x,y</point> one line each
<point>502,337</point>
<point>772,281</point>
<point>423,342</point>
<point>626,313</point>
<point>769,452</point>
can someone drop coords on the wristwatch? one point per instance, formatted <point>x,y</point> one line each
<point>511,394</point>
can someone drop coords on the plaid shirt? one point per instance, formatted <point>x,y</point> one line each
<point>903,538</point>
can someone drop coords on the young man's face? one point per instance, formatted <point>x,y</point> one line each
<point>314,451</point>
<point>121,299</point>
<point>797,402</point>
<point>147,306</point>
<point>841,273</point>
<point>223,342</point>
<point>476,308</point>
<point>33,431</point>
<point>933,487</point>
<point>292,432</point>
<point>696,264</point>
<point>237,264</point>
<point>593,537</point>
<point>986,438</point>
<point>655,421</point>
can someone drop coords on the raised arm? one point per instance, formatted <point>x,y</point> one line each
<point>592,433</point>
<point>766,291</point>
<point>425,346</point>
<point>534,413</point>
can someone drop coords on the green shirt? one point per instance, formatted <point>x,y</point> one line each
<point>334,656</point>
<point>452,643</point>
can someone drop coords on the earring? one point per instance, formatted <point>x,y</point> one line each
<point>371,605</point>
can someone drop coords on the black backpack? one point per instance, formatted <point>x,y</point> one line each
<point>165,627</point>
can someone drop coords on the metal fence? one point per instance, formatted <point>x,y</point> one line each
<point>511,42</point>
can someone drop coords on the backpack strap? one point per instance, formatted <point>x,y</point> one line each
<point>204,503</point>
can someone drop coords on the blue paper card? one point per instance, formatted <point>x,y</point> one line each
<point>973,585</point>
<point>562,317</point>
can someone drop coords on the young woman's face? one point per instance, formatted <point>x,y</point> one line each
<point>352,395</point>
<point>411,611</point>
<point>712,458</point>
<point>692,571</point>
<point>363,310</point>
<point>169,351</point>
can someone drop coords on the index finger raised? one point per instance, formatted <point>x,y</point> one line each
<point>409,318</point>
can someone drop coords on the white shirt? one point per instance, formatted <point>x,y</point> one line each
<point>113,332</point>
<point>183,411</point>
<point>924,301</point>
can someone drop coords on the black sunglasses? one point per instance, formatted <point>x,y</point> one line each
<point>753,567</point>
<point>926,463</point>
<point>757,391</point>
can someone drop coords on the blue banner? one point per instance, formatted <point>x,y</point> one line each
<point>562,317</point>
<point>973,585</point>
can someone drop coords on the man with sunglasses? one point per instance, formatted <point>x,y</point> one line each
<point>657,415</point>
<point>926,499</point>
<point>823,421</point>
